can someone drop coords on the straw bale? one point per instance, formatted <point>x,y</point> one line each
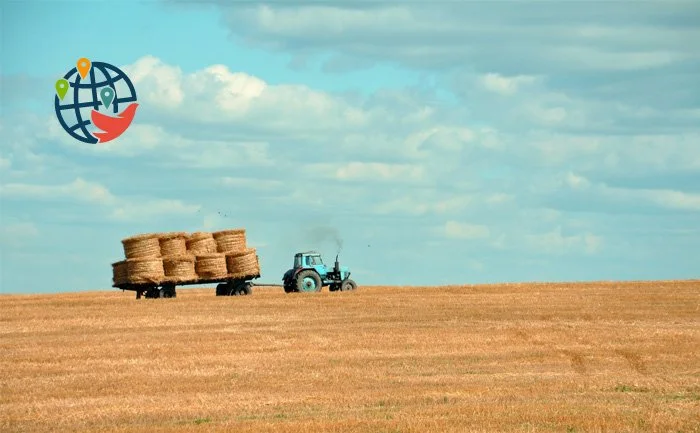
<point>243,264</point>
<point>144,245</point>
<point>173,244</point>
<point>230,241</point>
<point>179,268</point>
<point>145,270</point>
<point>120,273</point>
<point>200,243</point>
<point>211,266</point>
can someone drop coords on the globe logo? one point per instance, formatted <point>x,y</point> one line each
<point>88,99</point>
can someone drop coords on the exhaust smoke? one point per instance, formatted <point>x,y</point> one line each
<point>326,234</point>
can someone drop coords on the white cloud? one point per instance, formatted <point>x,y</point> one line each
<point>251,183</point>
<point>555,241</point>
<point>505,85</point>
<point>446,138</point>
<point>664,198</point>
<point>461,230</point>
<point>422,204</point>
<point>216,95</point>
<point>5,163</point>
<point>500,198</point>
<point>482,37</point>
<point>15,234</point>
<point>156,82</point>
<point>372,171</point>
<point>577,182</point>
<point>80,190</point>
<point>144,209</point>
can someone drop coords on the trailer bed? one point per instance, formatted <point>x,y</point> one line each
<point>227,286</point>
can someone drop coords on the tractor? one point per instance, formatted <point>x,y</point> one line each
<point>310,274</point>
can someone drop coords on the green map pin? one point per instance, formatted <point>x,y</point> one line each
<point>107,94</point>
<point>62,86</point>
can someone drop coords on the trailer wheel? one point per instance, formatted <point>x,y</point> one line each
<point>222,289</point>
<point>168,291</point>
<point>247,289</point>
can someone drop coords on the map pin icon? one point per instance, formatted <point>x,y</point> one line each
<point>83,67</point>
<point>107,95</point>
<point>62,87</point>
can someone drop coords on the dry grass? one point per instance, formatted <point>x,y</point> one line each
<point>618,357</point>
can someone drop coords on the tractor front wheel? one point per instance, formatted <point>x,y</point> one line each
<point>309,281</point>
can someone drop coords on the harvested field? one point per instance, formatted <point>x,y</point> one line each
<point>622,357</point>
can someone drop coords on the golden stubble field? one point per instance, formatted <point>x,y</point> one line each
<point>617,357</point>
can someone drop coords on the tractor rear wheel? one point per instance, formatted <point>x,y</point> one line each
<point>348,285</point>
<point>308,281</point>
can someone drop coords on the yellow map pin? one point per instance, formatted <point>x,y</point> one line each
<point>83,67</point>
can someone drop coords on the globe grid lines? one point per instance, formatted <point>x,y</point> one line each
<point>109,81</point>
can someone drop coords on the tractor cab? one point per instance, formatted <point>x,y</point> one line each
<point>310,274</point>
<point>310,260</point>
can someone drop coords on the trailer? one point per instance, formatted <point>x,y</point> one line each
<point>166,289</point>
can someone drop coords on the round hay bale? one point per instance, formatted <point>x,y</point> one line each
<point>201,243</point>
<point>211,266</point>
<point>179,268</point>
<point>145,270</point>
<point>120,273</point>
<point>243,264</point>
<point>230,241</point>
<point>173,244</point>
<point>144,245</point>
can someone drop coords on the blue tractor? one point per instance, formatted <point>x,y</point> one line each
<point>310,274</point>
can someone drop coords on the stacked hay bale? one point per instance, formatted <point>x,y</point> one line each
<point>178,264</point>
<point>208,263</point>
<point>211,266</point>
<point>178,257</point>
<point>230,241</point>
<point>120,274</point>
<point>242,264</point>
<point>241,261</point>
<point>143,259</point>
<point>199,243</point>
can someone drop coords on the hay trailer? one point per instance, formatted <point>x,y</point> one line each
<point>165,289</point>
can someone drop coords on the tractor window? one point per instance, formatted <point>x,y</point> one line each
<point>310,260</point>
<point>297,261</point>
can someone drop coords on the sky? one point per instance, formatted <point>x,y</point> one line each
<point>430,143</point>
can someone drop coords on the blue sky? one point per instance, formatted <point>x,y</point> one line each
<point>442,142</point>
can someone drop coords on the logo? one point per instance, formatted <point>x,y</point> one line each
<point>88,100</point>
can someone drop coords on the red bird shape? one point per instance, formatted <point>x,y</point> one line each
<point>113,127</point>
